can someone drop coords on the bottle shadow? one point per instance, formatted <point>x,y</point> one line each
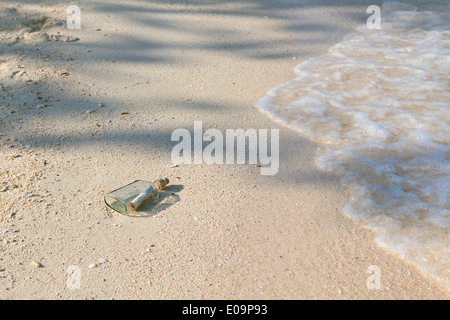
<point>167,198</point>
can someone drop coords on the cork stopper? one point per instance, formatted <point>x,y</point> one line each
<point>161,183</point>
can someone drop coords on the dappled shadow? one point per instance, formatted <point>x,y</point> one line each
<point>237,38</point>
<point>160,34</point>
<point>172,22</point>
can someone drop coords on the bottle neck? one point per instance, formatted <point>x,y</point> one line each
<point>161,183</point>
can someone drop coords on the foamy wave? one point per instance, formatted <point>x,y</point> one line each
<point>379,103</point>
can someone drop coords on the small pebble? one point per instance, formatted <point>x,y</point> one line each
<point>39,106</point>
<point>91,266</point>
<point>103,261</point>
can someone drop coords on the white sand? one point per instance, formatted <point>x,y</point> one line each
<point>232,233</point>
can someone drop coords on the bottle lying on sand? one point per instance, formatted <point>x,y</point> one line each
<point>127,199</point>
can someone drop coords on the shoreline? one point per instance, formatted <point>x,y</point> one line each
<point>231,233</point>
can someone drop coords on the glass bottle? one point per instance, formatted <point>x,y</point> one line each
<point>127,199</point>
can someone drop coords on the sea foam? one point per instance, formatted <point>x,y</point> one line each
<point>378,103</point>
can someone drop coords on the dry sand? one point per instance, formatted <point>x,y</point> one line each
<point>78,119</point>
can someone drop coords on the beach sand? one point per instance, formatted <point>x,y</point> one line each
<point>81,118</point>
